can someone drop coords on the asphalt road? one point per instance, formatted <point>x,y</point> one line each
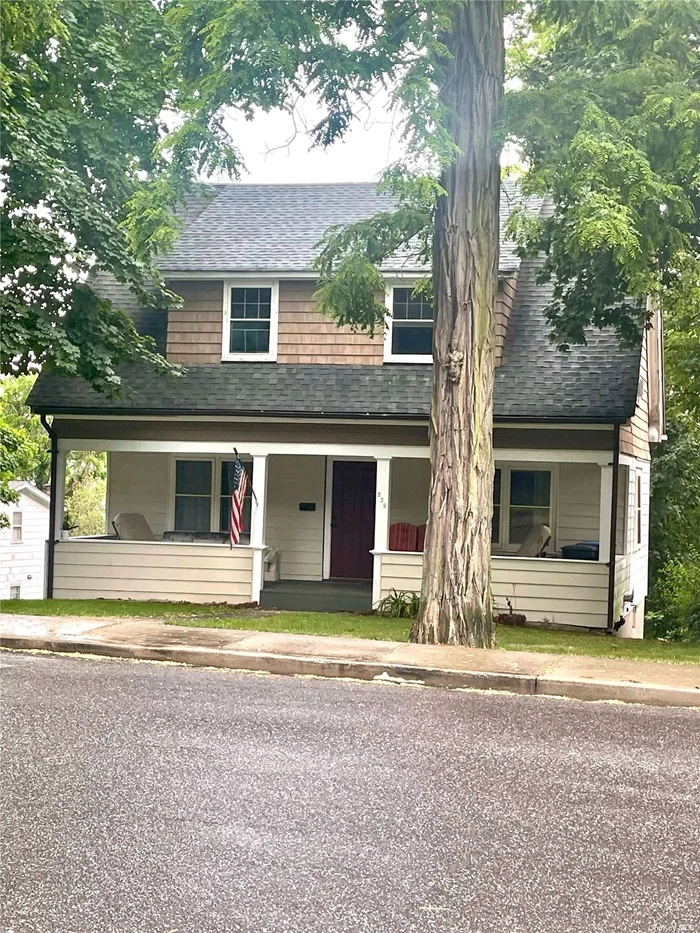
<point>144,798</point>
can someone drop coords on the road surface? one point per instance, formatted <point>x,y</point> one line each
<point>149,798</point>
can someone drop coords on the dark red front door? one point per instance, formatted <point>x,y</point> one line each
<point>352,519</point>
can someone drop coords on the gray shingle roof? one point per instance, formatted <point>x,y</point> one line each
<point>595,384</point>
<point>150,321</point>
<point>275,228</point>
<point>597,381</point>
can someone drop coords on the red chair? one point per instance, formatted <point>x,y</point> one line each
<point>403,537</point>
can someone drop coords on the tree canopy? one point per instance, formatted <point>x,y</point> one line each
<point>84,84</point>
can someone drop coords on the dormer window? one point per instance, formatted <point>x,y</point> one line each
<point>250,320</point>
<point>409,334</point>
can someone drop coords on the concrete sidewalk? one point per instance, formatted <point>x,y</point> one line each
<point>581,678</point>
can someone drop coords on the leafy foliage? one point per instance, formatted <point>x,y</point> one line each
<point>83,85</point>
<point>402,604</point>
<point>607,115</point>
<point>25,451</point>
<point>675,499</point>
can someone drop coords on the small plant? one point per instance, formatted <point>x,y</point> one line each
<point>399,605</point>
<point>510,617</point>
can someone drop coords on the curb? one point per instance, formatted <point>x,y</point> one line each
<point>294,665</point>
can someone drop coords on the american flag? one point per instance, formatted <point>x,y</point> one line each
<point>239,487</point>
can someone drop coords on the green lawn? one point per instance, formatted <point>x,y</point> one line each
<point>356,626</point>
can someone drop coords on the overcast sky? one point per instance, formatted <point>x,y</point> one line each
<point>277,149</point>
<point>273,153</point>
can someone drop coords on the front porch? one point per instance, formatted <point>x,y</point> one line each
<point>337,518</point>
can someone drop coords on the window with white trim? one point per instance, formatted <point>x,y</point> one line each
<point>529,505</point>
<point>496,521</point>
<point>193,495</point>
<point>250,320</point>
<point>409,336</point>
<point>638,509</point>
<point>522,500</point>
<point>203,495</point>
<point>15,592</point>
<point>16,527</point>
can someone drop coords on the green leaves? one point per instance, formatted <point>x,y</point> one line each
<point>606,112</point>
<point>354,295</point>
<point>84,84</point>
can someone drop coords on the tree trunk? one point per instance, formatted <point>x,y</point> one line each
<point>456,603</point>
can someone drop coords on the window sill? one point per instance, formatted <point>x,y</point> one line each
<point>249,358</point>
<point>407,358</point>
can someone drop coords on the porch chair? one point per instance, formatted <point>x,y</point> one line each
<point>132,526</point>
<point>403,537</point>
<point>271,557</point>
<point>535,545</point>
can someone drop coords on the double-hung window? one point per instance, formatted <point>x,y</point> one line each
<point>409,336</point>
<point>522,500</point>
<point>529,502</point>
<point>16,527</point>
<point>203,495</point>
<point>193,492</point>
<point>250,320</point>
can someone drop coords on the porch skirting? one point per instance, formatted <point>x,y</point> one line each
<point>563,592</point>
<point>110,569</point>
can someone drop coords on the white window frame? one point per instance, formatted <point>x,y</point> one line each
<point>18,594</point>
<point>17,527</point>
<point>216,462</point>
<point>638,509</point>
<point>269,357</point>
<point>504,543</point>
<point>390,357</point>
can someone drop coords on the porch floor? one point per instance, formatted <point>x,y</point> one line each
<point>317,595</point>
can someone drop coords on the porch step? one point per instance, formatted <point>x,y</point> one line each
<point>317,596</point>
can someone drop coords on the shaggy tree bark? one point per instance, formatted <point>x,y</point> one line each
<point>456,603</point>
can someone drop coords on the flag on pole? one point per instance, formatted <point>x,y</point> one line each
<point>239,487</point>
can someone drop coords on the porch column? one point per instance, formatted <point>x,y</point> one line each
<point>606,517</point>
<point>381,524</point>
<point>257,524</point>
<point>58,494</point>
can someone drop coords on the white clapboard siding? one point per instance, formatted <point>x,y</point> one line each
<point>139,483</point>
<point>199,573</point>
<point>297,535</point>
<point>578,513</point>
<point>560,591</point>
<point>632,567</point>
<point>22,563</point>
<point>410,485</point>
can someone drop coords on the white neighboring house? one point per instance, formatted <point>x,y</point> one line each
<point>23,544</point>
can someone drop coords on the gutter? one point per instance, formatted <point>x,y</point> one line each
<point>613,530</point>
<point>596,418</point>
<point>52,506</point>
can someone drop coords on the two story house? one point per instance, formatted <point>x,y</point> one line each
<point>333,426</point>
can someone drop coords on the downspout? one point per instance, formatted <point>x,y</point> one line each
<point>52,506</point>
<point>613,529</point>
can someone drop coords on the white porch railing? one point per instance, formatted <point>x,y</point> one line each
<point>566,592</point>
<point>109,569</point>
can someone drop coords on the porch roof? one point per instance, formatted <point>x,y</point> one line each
<point>602,392</point>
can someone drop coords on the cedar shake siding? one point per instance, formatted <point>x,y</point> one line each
<point>307,337</point>
<point>194,329</point>
<point>504,306</point>
<point>304,336</point>
<point>634,437</point>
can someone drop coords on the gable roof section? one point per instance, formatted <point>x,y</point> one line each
<point>276,228</point>
<point>24,486</point>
